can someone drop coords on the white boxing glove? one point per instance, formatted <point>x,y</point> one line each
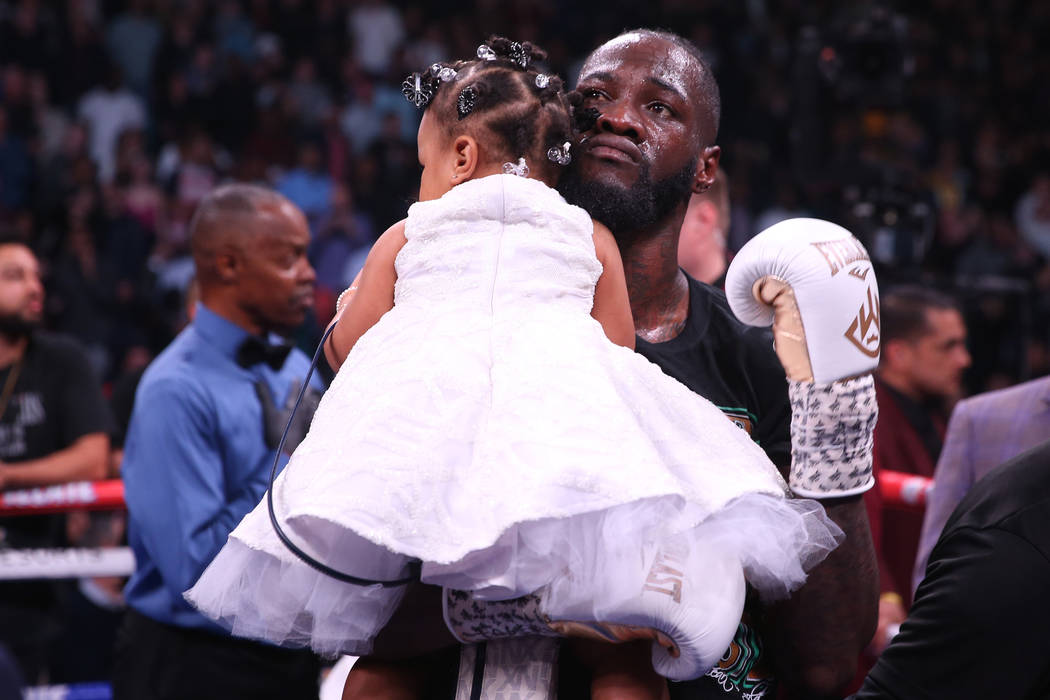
<point>814,282</point>
<point>659,595</point>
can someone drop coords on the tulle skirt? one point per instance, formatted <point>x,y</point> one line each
<point>259,589</point>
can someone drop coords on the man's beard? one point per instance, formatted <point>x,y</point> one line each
<point>15,326</point>
<point>632,210</point>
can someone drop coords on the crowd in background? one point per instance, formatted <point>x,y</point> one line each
<point>921,129</point>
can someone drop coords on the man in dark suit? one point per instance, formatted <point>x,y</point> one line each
<point>978,625</point>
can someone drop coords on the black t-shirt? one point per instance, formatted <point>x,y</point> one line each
<point>733,366</point>
<point>977,628</point>
<point>56,399</point>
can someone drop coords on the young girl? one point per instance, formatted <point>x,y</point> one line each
<point>491,419</point>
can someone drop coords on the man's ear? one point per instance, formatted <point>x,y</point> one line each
<point>706,168</point>
<point>466,160</point>
<point>895,354</point>
<point>227,265</point>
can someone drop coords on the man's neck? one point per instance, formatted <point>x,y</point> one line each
<point>900,384</point>
<point>657,288</point>
<point>227,308</point>
<point>11,349</point>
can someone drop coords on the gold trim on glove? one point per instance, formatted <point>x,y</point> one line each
<point>789,335</point>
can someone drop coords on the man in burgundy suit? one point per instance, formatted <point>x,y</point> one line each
<point>920,372</point>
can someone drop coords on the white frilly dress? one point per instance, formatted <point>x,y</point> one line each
<point>487,427</point>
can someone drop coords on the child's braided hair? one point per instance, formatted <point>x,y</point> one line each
<point>522,112</point>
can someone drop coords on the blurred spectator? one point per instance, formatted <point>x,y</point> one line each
<point>397,164</point>
<point>14,86</point>
<point>341,234</point>
<point>376,32</point>
<point>26,38</point>
<point>16,170</point>
<point>234,31</point>
<point>197,170</point>
<point>66,170</point>
<point>310,99</point>
<point>145,201</point>
<point>336,146</point>
<point>232,113</point>
<point>702,242</point>
<point>1032,214</point>
<point>81,54</point>
<point>919,377</point>
<point>53,428</point>
<point>293,22</point>
<point>202,73</point>
<point>329,39</point>
<point>108,110</point>
<point>49,122</point>
<point>272,140</point>
<point>83,288</point>
<point>308,185</point>
<point>133,38</point>
<point>361,121</point>
<point>785,206</point>
<point>177,48</point>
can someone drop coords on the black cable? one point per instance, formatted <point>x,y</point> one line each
<point>292,547</point>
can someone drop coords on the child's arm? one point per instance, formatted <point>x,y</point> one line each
<point>611,306</point>
<point>342,301</point>
<point>373,297</point>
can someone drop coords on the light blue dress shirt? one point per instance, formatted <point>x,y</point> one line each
<point>195,461</point>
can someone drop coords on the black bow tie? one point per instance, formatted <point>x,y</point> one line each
<point>254,351</point>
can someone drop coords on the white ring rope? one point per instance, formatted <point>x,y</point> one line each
<point>80,562</point>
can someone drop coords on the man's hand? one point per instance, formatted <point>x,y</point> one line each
<point>275,419</point>
<point>891,615</point>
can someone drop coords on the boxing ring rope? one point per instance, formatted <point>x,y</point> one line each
<point>73,562</point>
<point>901,490</point>
<point>78,495</point>
<point>898,490</point>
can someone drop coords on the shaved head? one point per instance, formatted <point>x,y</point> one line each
<point>230,217</point>
<point>249,246</point>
